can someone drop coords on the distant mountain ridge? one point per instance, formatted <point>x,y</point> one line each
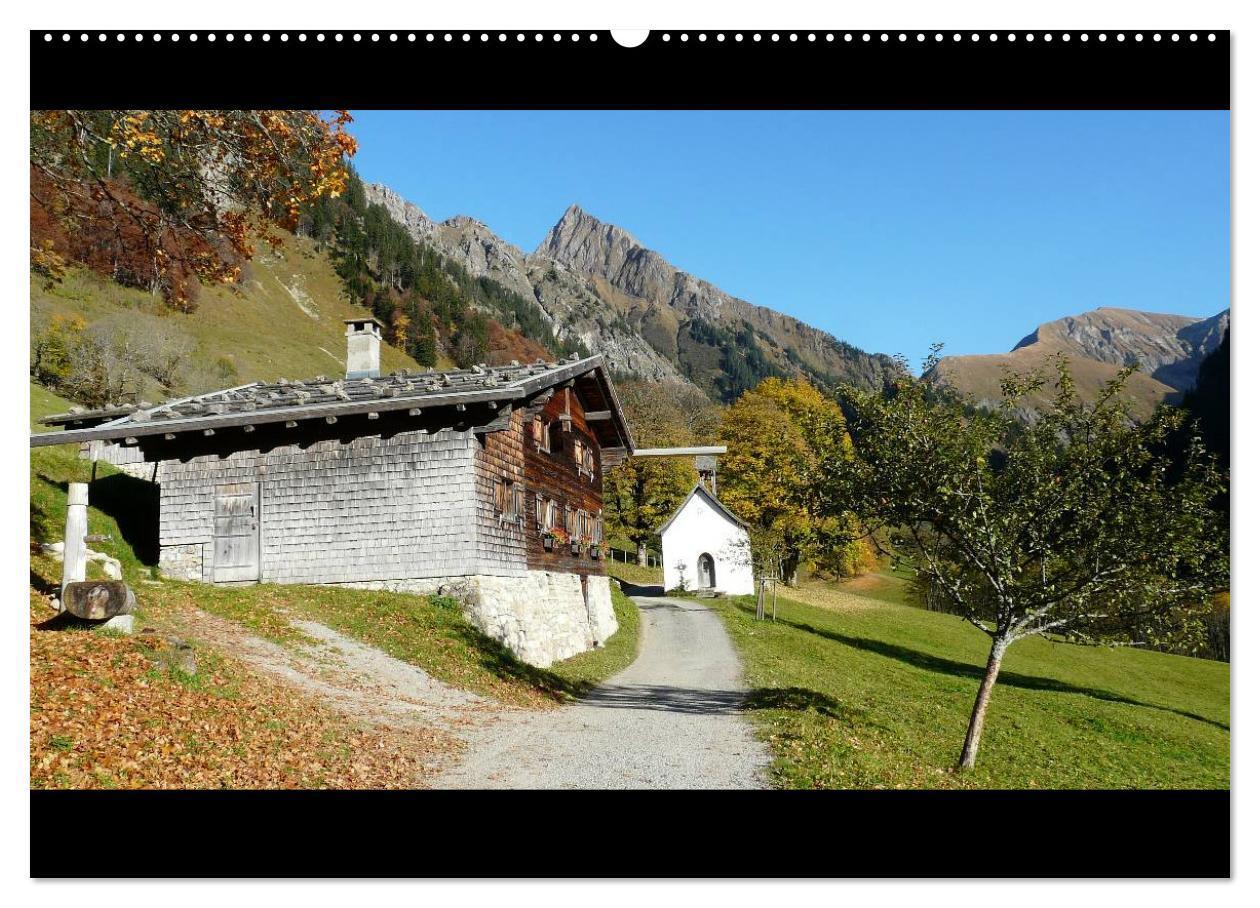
<point>596,283</point>
<point>1167,350</point>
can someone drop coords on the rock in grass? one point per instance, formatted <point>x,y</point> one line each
<point>169,652</point>
<point>120,624</point>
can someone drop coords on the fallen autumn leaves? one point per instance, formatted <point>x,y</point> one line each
<point>103,717</point>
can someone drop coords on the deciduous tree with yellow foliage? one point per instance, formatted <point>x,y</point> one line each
<point>778,435</point>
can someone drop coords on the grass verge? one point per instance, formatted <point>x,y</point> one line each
<point>585,670</point>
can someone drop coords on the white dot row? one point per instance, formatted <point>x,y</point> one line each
<point>974,37</point>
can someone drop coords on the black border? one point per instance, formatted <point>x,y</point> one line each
<point>268,71</point>
<point>606,835</point>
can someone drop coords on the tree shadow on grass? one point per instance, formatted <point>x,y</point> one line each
<point>944,666</point>
<point>64,621</point>
<point>797,699</point>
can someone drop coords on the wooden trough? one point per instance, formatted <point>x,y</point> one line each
<point>98,600</point>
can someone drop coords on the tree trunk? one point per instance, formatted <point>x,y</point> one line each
<point>968,758</point>
<point>791,567</point>
<point>643,554</point>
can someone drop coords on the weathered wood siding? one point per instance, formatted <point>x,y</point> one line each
<point>334,511</point>
<point>501,540</point>
<point>556,475</point>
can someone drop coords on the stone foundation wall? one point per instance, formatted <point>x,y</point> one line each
<point>541,616</point>
<point>182,562</point>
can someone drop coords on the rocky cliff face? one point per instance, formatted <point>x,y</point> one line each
<point>594,282</point>
<point>409,215</point>
<point>564,299</point>
<point>662,299</point>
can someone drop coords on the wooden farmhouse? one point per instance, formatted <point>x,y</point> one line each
<point>484,484</point>
<point>706,547</point>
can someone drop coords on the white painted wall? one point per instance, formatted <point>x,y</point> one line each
<point>700,527</point>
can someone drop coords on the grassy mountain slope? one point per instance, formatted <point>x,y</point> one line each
<point>283,320</point>
<point>980,377</point>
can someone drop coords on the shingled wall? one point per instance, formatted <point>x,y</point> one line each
<point>369,509</point>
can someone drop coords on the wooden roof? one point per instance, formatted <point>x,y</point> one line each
<point>323,398</point>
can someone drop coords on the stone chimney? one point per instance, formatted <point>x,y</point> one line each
<point>363,347</point>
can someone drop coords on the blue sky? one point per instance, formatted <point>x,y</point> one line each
<point>890,229</point>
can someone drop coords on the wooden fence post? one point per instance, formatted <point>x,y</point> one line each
<point>74,551</point>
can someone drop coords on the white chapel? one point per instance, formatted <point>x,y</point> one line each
<point>706,547</point>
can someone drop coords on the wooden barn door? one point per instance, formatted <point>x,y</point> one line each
<point>236,532</point>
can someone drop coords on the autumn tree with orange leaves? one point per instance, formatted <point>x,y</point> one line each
<point>164,199</point>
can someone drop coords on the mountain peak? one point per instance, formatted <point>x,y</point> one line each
<point>579,235</point>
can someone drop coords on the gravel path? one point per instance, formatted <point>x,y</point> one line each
<point>357,679</point>
<point>670,720</point>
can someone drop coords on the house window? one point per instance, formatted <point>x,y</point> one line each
<point>542,434</point>
<point>554,517</point>
<point>508,498</point>
<point>584,457</point>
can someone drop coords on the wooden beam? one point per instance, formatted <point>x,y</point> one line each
<point>598,415</point>
<point>679,452</point>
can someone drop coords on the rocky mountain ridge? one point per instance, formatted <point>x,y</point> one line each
<point>1167,350</point>
<point>563,298</point>
<point>596,283</point>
